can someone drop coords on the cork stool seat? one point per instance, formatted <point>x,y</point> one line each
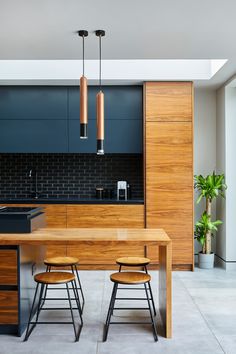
<point>61,261</point>
<point>58,262</point>
<point>129,278</point>
<point>53,278</point>
<point>137,262</point>
<point>133,261</point>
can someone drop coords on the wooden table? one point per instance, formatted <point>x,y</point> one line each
<point>146,237</point>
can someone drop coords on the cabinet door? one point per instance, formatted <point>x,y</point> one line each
<point>82,145</point>
<point>24,102</point>
<point>8,267</point>
<point>121,102</point>
<point>28,136</point>
<point>168,101</point>
<point>169,184</point>
<point>121,136</point>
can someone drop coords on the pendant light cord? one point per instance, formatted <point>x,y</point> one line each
<point>83,55</point>
<point>100,63</point>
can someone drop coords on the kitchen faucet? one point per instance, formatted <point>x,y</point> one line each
<point>35,193</point>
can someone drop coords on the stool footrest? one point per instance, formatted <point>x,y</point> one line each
<point>131,308</point>
<point>58,308</point>
<point>132,298</point>
<point>51,322</point>
<point>130,322</point>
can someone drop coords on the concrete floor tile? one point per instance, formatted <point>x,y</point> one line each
<point>145,345</point>
<point>204,317</point>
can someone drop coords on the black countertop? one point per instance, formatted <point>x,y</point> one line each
<point>68,201</point>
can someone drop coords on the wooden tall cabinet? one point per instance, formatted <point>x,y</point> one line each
<point>168,121</point>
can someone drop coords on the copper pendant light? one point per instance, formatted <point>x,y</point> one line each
<point>83,97</point>
<point>100,101</point>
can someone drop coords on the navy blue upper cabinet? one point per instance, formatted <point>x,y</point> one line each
<point>33,135</point>
<point>121,102</point>
<point>33,102</point>
<point>46,119</point>
<point>123,120</point>
<point>82,145</point>
<point>121,136</point>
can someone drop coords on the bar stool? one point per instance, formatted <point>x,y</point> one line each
<point>59,262</point>
<point>53,278</point>
<point>129,278</point>
<point>137,262</point>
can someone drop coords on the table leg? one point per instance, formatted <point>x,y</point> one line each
<point>165,287</point>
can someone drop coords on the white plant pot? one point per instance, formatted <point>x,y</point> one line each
<point>206,261</point>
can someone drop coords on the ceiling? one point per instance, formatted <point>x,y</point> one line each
<point>135,29</point>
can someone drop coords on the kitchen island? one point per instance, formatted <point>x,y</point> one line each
<point>108,238</point>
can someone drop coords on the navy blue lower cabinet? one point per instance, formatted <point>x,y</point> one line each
<point>121,136</point>
<point>33,136</point>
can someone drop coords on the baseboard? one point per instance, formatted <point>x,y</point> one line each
<point>227,265</point>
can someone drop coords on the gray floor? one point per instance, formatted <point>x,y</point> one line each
<point>204,320</point>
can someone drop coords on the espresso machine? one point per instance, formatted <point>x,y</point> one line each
<point>122,190</point>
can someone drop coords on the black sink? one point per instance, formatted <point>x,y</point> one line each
<point>21,219</point>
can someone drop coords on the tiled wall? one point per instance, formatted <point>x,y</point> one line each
<point>68,175</point>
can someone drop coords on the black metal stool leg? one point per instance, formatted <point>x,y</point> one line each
<point>110,311</point>
<point>80,286</point>
<point>79,310</point>
<point>40,301</point>
<point>152,299</point>
<point>48,269</point>
<point>28,330</point>
<point>75,289</point>
<point>151,294</point>
<point>71,311</point>
<point>117,286</point>
<point>77,299</point>
<point>151,315</point>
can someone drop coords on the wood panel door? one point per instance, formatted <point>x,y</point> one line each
<point>169,101</point>
<point>169,166</point>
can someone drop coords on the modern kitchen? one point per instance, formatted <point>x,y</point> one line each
<point>101,159</point>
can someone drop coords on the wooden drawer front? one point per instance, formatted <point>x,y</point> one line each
<point>105,253</point>
<point>55,215</point>
<point>8,307</point>
<point>105,215</point>
<point>8,267</point>
<point>169,101</point>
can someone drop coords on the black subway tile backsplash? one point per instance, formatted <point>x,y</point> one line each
<point>68,175</point>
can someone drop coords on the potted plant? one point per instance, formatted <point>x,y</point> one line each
<point>209,187</point>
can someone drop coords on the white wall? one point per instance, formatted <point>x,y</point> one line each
<point>204,140</point>
<point>221,168</point>
<point>230,130</point>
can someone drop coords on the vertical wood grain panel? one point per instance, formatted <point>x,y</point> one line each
<point>169,166</point>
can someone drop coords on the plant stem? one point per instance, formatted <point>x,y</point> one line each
<point>208,234</point>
